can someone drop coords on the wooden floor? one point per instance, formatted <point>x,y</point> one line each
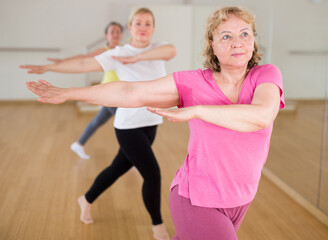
<point>295,151</point>
<point>41,180</point>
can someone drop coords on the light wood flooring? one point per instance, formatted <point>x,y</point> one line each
<point>41,179</point>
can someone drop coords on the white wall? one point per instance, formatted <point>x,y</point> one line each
<point>201,13</point>
<point>173,25</point>
<point>66,25</point>
<point>301,26</point>
<point>73,24</point>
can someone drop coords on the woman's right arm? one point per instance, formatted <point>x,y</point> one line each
<point>161,92</point>
<point>81,65</point>
<point>80,56</point>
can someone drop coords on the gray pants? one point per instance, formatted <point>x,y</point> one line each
<point>103,116</point>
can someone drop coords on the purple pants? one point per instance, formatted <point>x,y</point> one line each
<point>200,223</point>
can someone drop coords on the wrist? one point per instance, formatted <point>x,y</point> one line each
<point>48,67</point>
<point>138,57</point>
<point>197,111</point>
<point>69,94</point>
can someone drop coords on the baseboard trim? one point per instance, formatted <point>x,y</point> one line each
<point>321,216</point>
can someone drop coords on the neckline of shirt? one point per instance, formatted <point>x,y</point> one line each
<point>138,49</point>
<point>209,77</point>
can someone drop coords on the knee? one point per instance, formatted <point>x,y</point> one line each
<point>153,177</point>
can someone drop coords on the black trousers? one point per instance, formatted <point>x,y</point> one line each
<point>135,150</point>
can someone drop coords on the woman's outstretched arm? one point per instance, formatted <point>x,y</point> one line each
<point>157,93</point>
<point>258,115</point>
<point>90,64</point>
<point>164,52</point>
<point>79,56</point>
<point>78,65</point>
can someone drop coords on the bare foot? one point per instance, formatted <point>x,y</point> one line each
<point>160,232</point>
<point>85,216</point>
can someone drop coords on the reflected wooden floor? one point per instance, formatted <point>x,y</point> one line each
<point>41,180</point>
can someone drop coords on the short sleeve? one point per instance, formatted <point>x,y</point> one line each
<point>178,83</point>
<point>158,44</point>
<point>106,61</point>
<point>271,74</point>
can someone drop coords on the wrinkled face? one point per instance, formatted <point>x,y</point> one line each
<point>142,27</point>
<point>114,35</point>
<point>233,42</point>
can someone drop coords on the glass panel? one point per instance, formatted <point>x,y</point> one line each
<point>323,203</point>
<point>297,136</point>
<point>323,197</point>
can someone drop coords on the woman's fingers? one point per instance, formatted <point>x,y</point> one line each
<point>47,92</point>
<point>174,114</point>
<point>45,82</point>
<point>33,88</point>
<point>37,88</point>
<point>33,68</point>
<point>25,66</point>
<point>161,111</point>
<point>54,60</point>
<point>154,110</point>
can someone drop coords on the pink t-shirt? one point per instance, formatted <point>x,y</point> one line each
<point>223,166</point>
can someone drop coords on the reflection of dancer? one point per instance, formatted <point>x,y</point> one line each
<point>135,127</point>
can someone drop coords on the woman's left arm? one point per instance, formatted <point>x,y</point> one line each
<point>258,115</point>
<point>164,52</point>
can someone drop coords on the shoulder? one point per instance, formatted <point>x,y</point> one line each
<point>264,73</point>
<point>192,78</point>
<point>266,69</point>
<point>192,74</point>
<point>267,73</point>
<point>158,44</point>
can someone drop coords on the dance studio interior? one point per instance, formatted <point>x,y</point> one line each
<point>42,178</point>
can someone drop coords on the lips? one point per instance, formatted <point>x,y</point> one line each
<point>237,54</point>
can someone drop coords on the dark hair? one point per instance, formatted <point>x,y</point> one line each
<point>111,24</point>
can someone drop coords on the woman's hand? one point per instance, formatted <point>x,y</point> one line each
<point>127,60</point>
<point>47,92</point>
<point>38,69</point>
<point>176,114</point>
<point>54,60</point>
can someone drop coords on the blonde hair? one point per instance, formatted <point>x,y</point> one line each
<point>141,11</point>
<point>218,17</point>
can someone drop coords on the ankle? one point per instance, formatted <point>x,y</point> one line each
<point>160,232</point>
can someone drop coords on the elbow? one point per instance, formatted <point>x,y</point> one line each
<point>83,65</point>
<point>131,97</point>
<point>264,121</point>
<point>262,125</point>
<point>172,52</point>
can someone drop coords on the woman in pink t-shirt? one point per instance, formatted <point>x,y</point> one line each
<point>230,106</point>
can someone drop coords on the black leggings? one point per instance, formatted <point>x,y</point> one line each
<point>135,150</point>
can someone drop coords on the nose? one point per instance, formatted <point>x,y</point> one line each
<point>236,43</point>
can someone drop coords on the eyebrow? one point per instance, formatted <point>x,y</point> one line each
<point>139,20</point>
<point>230,32</point>
<point>244,29</point>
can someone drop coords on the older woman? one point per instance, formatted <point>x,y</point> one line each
<point>230,107</point>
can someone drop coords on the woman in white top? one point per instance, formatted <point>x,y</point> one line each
<point>139,60</point>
